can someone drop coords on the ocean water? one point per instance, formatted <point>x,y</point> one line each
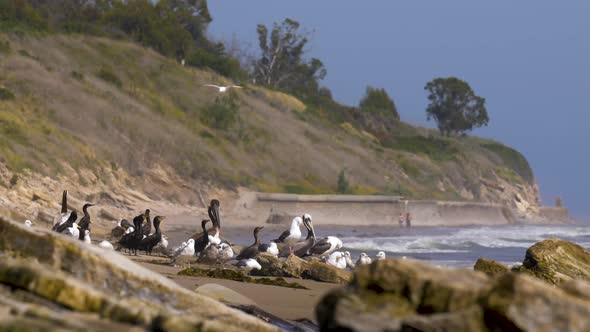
<point>457,247</point>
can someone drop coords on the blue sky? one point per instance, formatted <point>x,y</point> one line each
<point>529,59</point>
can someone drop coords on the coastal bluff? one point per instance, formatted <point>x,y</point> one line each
<point>385,210</point>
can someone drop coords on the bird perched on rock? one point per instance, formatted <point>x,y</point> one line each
<point>85,222</point>
<point>336,259</point>
<point>147,227</point>
<point>248,264</point>
<point>292,235</point>
<point>364,259</point>
<point>348,259</point>
<point>251,251</point>
<point>63,216</point>
<point>106,245</point>
<point>71,222</point>
<point>86,237</point>
<point>380,256</point>
<point>270,248</point>
<point>202,242</point>
<point>117,232</point>
<point>131,241</point>
<point>326,246</point>
<point>28,223</point>
<point>226,253</point>
<point>149,242</point>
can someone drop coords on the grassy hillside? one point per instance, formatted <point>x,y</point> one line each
<point>97,104</point>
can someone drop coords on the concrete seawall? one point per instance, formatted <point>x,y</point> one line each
<point>376,210</point>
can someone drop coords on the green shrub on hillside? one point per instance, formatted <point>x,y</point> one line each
<point>435,148</point>
<point>77,75</point>
<point>6,94</point>
<point>378,101</point>
<point>107,75</point>
<point>221,114</point>
<point>223,65</point>
<point>512,159</point>
<point>5,47</point>
<point>343,185</point>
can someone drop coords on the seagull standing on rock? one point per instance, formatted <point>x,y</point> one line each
<point>223,88</point>
<point>380,256</point>
<point>364,259</point>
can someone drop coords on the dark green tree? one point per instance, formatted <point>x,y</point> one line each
<point>454,106</point>
<point>282,64</point>
<point>377,101</point>
<point>343,184</point>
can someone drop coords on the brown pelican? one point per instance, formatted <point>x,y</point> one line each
<point>202,242</point>
<point>326,246</point>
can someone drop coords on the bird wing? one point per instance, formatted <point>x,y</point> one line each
<point>263,247</point>
<point>249,252</point>
<point>237,86</point>
<point>212,85</point>
<point>283,236</point>
<point>321,247</point>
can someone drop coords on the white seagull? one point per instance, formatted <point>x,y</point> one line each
<point>364,259</point>
<point>380,256</point>
<point>106,245</point>
<point>249,264</point>
<point>87,237</point>
<point>223,88</point>
<point>28,223</point>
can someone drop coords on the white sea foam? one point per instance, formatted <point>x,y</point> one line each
<point>462,240</point>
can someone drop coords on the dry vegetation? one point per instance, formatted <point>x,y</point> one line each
<point>101,104</point>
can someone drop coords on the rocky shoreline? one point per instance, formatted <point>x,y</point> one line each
<point>49,282</point>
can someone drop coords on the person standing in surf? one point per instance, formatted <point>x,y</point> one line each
<point>408,219</point>
<point>401,219</point>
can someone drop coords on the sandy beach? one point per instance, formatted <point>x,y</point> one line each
<point>284,302</point>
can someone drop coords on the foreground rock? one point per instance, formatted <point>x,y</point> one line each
<point>556,261</point>
<point>295,267</point>
<point>490,267</point>
<point>405,295</point>
<point>49,281</point>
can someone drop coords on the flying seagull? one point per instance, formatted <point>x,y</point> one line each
<point>223,88</point>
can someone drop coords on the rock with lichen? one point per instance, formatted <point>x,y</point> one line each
<point>556,261</point>
<point>406,295</point>
<point>296,267</point>
<point>490,267</point>
<point>52,282</point>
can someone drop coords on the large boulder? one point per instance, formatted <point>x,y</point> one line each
<point>406,295</point>
<point>295,267</point>
<point>50,281</point>
<point>490,267</point>
<point>556,261</point>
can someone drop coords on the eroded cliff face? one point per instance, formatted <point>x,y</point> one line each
<point>147,140</point>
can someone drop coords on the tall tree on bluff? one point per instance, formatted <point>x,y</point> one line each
<point>454,106</point>
<point>281,64</point>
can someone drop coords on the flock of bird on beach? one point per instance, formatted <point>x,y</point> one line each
<point>208,245</point>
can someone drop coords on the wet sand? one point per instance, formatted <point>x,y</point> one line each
<point>284,302</point>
